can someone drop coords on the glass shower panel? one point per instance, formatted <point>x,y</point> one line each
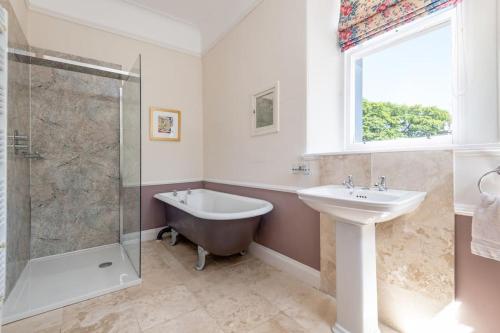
<point>18,141</point>
<point>130,166</point>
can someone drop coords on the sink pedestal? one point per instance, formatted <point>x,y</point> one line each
<point>356,278</point>
<point>356,211</point>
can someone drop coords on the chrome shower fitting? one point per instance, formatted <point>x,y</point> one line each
<point>33,156</point>
<point>20,143</point>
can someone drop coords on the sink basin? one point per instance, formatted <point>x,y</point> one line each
<point>361,205</point>
<point>356,211</point>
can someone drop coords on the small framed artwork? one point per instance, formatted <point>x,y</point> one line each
<point>165,125</point>
<point>265,111</point>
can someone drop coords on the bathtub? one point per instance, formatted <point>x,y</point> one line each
<point>219,223</point>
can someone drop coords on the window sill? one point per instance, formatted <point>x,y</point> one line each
<point>453,147</point>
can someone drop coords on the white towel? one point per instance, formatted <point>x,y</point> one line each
<point>486,228</point>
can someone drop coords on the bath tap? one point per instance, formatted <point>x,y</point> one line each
<point>185,200</point>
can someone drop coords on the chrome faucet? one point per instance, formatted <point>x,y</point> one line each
<point>349,183</point>
<point>185,200</point>
<point>382,184</point>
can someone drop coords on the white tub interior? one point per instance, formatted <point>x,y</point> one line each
<point>214,205</point>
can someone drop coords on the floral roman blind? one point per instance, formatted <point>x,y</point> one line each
<point>361,20</point>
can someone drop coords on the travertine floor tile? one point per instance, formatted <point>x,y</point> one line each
<point>312,309</point>
<point>229,280</point>
<point>49,322</point>
<point>193,322</point>
<point>279,324</point>
<point>111,313</point>
<point>157,307</point>
<point>241,311</point>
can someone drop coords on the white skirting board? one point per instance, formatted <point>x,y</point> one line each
<point>293,267</point>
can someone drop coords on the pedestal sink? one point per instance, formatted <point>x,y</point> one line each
<point>356,212</point>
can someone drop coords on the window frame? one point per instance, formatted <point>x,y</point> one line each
<point>394,37</point>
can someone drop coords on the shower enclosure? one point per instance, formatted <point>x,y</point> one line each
<point>74,175</point>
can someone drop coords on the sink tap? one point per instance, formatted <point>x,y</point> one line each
<point>349,183</point>
<point>382,184</point>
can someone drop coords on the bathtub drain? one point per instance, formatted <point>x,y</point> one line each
<point>105,264</point>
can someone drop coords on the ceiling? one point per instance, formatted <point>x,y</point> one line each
<point>193,26</point>
<point>213,18</point>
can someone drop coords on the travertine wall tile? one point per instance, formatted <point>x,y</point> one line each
<point>335,169</point>
<point>328,253</point>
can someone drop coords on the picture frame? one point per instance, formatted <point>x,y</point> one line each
<point>164,124</point>
<point>265,111</point>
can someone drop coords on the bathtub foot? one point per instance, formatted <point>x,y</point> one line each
<point>173,237</point>
<point>202,255</point>
<point>243,253</point>
<point>163,232</point>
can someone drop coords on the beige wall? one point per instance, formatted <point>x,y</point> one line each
<point>170,79</point>
<point>21,12</point>
<point>269,45</point>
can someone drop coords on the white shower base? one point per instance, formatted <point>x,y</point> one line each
<point>52,282</point>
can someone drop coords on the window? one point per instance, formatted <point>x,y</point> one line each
<point>399,87</point>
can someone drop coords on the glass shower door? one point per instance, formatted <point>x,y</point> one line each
<point>130,166</point>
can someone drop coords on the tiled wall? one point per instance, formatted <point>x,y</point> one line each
<point>415,253</point>
<point>75,188</point>
<point>18,180</point>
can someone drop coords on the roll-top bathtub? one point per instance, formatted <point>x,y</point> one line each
<point>219,223</point>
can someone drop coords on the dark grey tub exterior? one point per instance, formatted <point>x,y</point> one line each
<point>219,237</point>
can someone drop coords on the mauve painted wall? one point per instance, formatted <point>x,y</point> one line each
<point>292,228</point>
<point>477,283</point>
<point>152,210</point>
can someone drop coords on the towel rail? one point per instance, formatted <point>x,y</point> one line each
<point>480,182</point>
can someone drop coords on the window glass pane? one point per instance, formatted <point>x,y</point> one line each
<point>405,90</point>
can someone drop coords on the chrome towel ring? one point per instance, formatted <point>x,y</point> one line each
<point>480,182</point>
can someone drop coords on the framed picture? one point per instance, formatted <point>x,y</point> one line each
<point>165,125</point>
<point>265,111</point>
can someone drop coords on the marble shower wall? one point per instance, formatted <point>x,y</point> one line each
<point>415,253</point>
<point>18,167</point>
<point>75,188</point>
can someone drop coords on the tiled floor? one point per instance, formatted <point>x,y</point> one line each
<point>238,294</point>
